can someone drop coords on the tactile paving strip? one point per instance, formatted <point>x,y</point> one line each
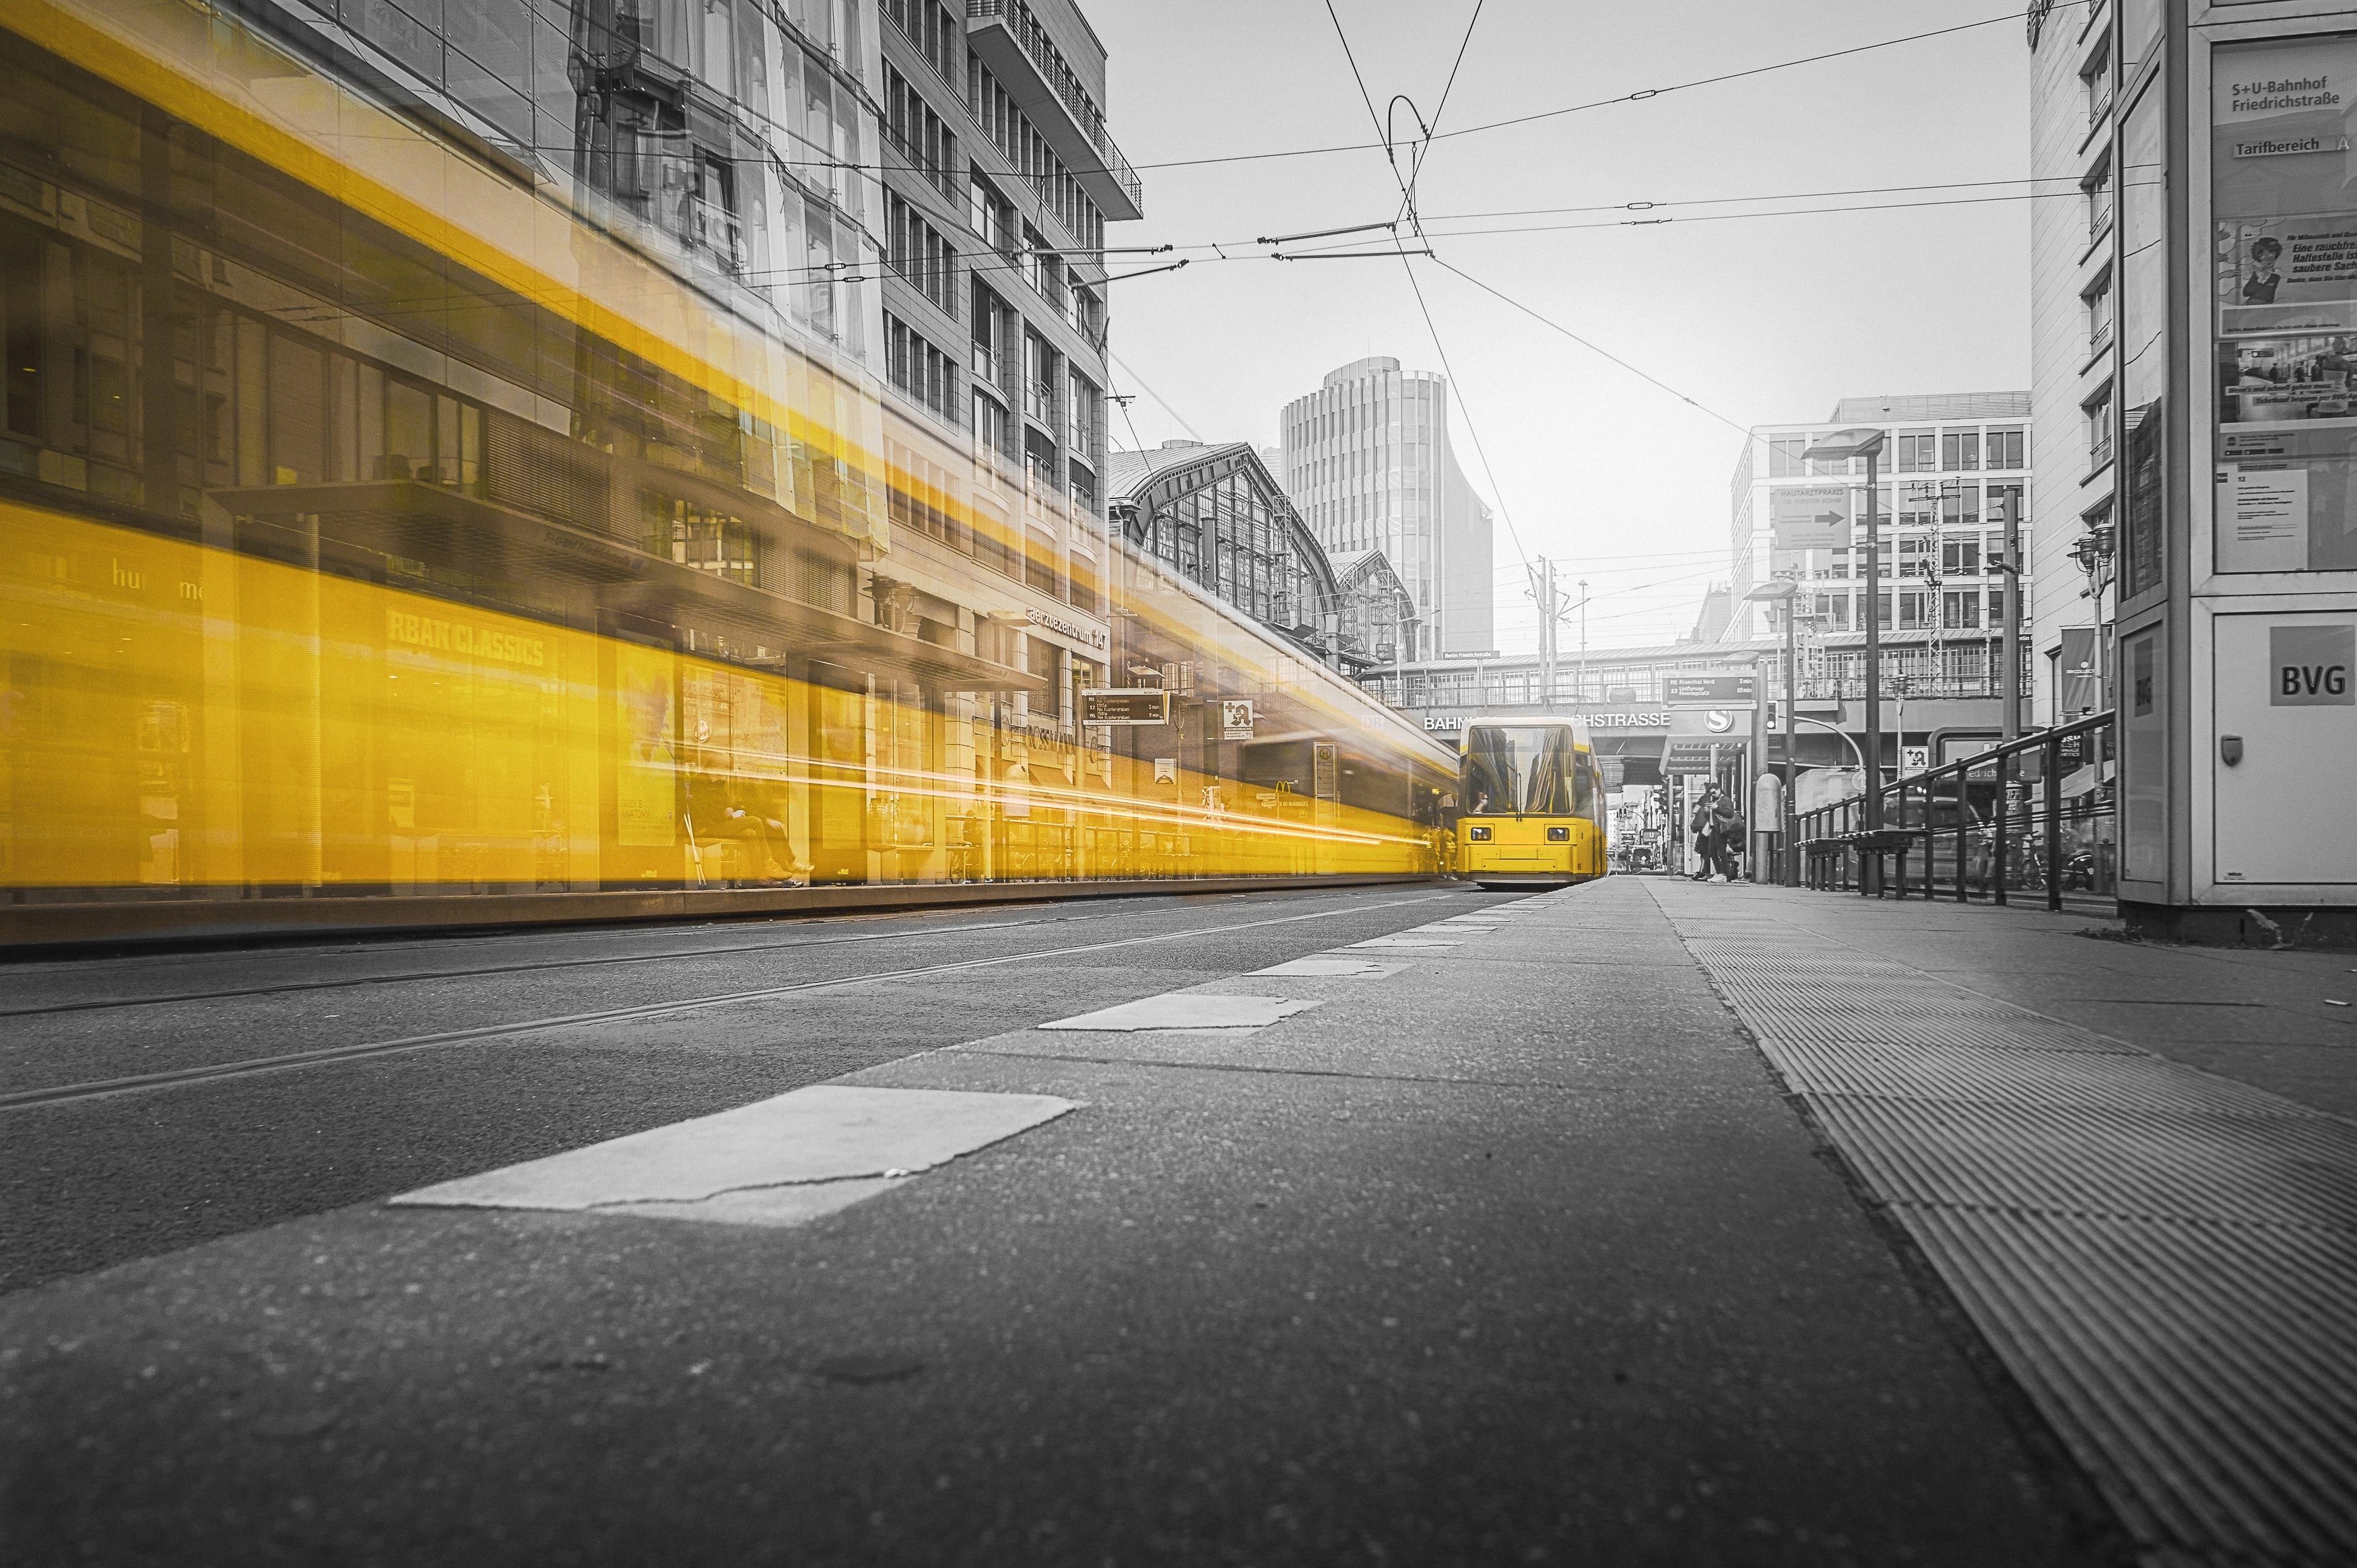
<point>1987,1076</point>
<point>2166,1260</point>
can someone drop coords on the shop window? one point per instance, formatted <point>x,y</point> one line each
<point>689,534</point>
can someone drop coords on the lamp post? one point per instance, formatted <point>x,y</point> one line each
<point>1782,593</point>
<point>1840,446</point>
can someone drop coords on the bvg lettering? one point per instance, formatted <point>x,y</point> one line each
<point>2313,680</point>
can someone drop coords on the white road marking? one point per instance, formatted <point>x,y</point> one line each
<point>1187,1010</point>
<point>1336,964</point>
<point>852,1140</point>
<point>62,1094</point>
<point>1409,942</point>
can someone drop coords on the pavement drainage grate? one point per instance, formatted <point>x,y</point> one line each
<point>2165,1261</point>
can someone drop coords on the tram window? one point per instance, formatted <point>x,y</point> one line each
<point>1517,770</point>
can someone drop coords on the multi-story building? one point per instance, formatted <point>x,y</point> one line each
<point>2195,317</point>
<point>1951,466</point>
<point>998,180</point>
<point>1216,517</point>
<point>2076,352</point>
<point>1368,459</point>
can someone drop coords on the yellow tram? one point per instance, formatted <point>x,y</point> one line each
<point>1529,803</point>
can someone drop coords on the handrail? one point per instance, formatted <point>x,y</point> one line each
<point>1830,834</point>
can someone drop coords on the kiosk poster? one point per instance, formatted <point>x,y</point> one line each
<point>2284,200</point>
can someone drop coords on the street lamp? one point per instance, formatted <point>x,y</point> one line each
<point>1840,446</point>
<point>1781,592</point>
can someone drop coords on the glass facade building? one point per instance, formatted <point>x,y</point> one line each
<point>1368,460</point>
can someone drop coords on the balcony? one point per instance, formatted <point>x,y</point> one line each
<point>985,366</point>
<point>1039,402</point>
<point>1018,52</point>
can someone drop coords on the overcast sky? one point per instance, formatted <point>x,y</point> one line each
<point>1758,318</point>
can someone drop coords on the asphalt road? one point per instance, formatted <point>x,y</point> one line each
<point>1518,1255</point>
<point>104,1177</point>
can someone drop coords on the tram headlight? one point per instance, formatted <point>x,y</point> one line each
<point>1558,835</point>
<point>1478,836</point>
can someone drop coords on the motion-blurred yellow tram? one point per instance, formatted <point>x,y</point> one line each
<point>1530,802</point>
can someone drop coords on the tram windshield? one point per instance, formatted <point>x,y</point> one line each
<point>1522,769</point>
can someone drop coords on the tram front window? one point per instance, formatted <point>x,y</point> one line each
<point>1519,770</point>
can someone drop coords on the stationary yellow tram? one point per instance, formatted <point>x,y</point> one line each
<point>1529,803</point>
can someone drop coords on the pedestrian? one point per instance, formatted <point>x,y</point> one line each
<point>1727,826</point>
<point>1703,834</point>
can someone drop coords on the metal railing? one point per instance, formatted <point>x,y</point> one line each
<point>2037,815</point>
<point>1049,63</point>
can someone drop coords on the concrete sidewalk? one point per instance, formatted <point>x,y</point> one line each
<point>2130,1163</point>
<point>1509,1249</point>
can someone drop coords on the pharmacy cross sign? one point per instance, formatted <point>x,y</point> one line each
<point>1236,719</point>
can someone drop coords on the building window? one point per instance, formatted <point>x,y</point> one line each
<point>919,134</point>
<point>1960,450</point>
<point>2097,81</point>
<point>1960,505</point>
<point>1918,452</point>
<point>1959,611</point>
<point>934,31</point>
<point>2099,201</point>
<point>1785,455</point>
<point>989,332</point>
<point>1083,410</point>
<point>2099,430</point>
<point>2097,301</point>
<point>928,375</point>
<point>1038,378</point>
<point>1961,557</point>
<point>2007,449</point>
<point>991,216</point>
<point>1084,314</point>
<point>922,255</point>
<point>692,535</point>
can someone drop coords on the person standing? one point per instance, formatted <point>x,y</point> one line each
<point>1702,832</point>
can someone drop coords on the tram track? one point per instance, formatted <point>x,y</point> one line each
<point>293,987</point>
<point>297,987</point>
<point>71,1093</point>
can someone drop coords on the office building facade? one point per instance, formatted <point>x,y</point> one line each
<point>1951,465</point>
<point>1369,461</point>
